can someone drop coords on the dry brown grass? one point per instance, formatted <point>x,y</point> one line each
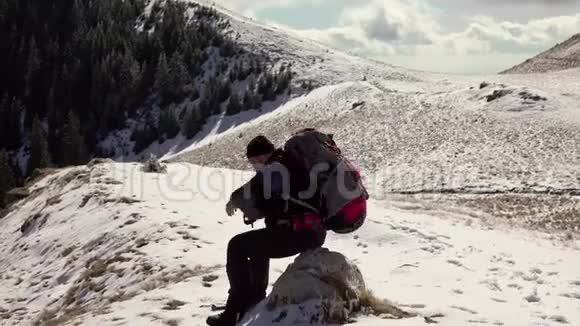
<point>166,278</point>
<point>118,258</point>
<point>54,200</point>
<point>51,317</point>
<point>67,251</point>
<point>543,212</point>
<point>96,269</point>
<point>69,296</point>
<point>174,305</point>
<point>381,307</point>
<point>172,322</point>
<point>122,200</point>
<point>557,214</point>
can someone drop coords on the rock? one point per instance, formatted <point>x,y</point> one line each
<point>527,96</point>
<point>358,104</point>
<point>152,165</point>
<point>322,275</point>
<point>35,221</point>
<point>314,274</point>
<point>321,287</point>
<point>483,85</point>
<point>498,94</point>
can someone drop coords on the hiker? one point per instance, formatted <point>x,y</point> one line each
<point>290,228</point>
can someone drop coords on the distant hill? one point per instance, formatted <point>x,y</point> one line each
<point>565,55</point>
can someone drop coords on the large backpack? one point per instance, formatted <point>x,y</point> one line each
<point>335,184</point>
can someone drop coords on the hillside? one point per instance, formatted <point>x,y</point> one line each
<point>487,143</point>
<point>565,55</point>
<point>111,78</point>
<point>107,244</point>
<point>313,65</point>
<point>429,137</point>
<point>156,77</point>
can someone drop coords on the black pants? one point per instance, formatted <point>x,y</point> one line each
<point>248,260</point>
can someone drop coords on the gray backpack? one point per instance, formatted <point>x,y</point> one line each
<point>335,183</point>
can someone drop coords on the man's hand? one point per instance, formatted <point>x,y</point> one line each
<point>230,208</point>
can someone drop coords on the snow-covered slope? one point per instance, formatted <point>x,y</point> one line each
<point>311,60</point>
<point>111,245</point>
<point>411,132</point>
<point>313,64</point>
<point>565,55</point>
<point>437,135</point>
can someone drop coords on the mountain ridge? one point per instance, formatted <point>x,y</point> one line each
<point>562,56</point>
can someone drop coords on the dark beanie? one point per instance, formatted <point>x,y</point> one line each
<point>259,146</point>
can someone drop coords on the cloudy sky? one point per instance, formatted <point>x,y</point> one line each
<point>459,36</point>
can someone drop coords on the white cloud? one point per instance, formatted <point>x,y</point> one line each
<point>378,27</point>
<point>393,21</point>
<point>412,31</point>
<point>486,35</point>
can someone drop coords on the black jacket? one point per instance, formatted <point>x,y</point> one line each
<point>266,194</point>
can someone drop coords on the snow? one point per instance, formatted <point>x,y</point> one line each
<point>436,135</point>
<point>310,61</point>
<point>160,235</point>
<point>412,131</point>
<point>415,132</point>
<point>112,245</point>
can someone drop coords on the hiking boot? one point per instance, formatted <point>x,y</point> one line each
<point>231,314</point>
<point>226,318</point>
<point>251,301</point>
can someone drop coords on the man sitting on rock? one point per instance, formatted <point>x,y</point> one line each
<point>290,229</point>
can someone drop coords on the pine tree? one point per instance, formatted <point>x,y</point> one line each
<point>248,100</point>
<point>162,77</point>
<point>32,67</point>
<point>252,85</point>
<point>234,105</point>
<point>39,155</point>
<point>283,80</point>
<point>4,121</point>
<point>194,94</point>
<point>225,90</point>
<point>227,48</point>
<point>6,175</point>
<point>266,87</point>
<point>168,125</point>
<point>257,101</point>
<point>129,78</point>
<point>178,73</point>
<point>13,130</point>
<point>242,72</point>
<point>192,123</point>
<point>74,151</point>
<point>204,108</point>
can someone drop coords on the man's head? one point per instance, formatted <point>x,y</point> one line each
<point>259,151</point>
